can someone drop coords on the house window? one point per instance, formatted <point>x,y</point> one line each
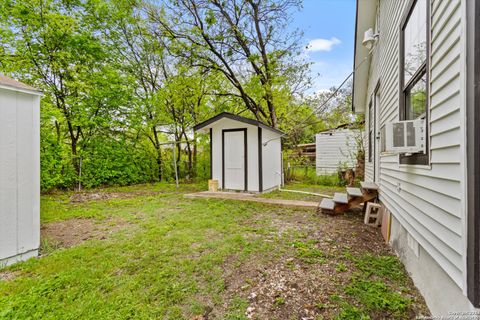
<point>370,132</point>
<point>413,71</point>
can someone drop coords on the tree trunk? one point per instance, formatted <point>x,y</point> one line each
<point>179,151</point>
<point>194,164</point>
<point>159,153</point>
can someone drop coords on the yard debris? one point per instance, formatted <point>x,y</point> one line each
<point>301,284</point>
<point>8,275</point>
<point>249,312</point>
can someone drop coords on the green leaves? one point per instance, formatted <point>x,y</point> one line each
<point>122,77</point>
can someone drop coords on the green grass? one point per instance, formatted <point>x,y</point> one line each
<point>309,175</point>
<point>168,262</point>
<point>57,206</point>
<point>375,287</point>
<point>308,252</point>
<point>153,273</point>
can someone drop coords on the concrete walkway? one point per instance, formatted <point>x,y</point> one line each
<point>251,197</point>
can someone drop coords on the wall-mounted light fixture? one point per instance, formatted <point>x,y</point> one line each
<point>369,39</point>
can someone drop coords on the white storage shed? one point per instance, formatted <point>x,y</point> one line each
<point>19,171</point>
<point>335,148</point>
<point>245,154</point>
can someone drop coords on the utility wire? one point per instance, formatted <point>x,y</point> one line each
<point>314,111</point>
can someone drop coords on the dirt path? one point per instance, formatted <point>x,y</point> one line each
<point>251,197</point>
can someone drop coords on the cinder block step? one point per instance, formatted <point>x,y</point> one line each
<point>370,186</point>
<point>340,198</point>
<point>327,204</point>
<point>354,192</point>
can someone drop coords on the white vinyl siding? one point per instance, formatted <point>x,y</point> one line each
<point>271,159</point>
<point>271,155</point>
<point>19,175</point>
<point>335,148</point>
<point>428,201</point>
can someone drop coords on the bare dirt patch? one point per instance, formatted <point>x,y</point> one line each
<point>69,233</point>
<point>300,283</point>
<point>93,196</point>
<point>8,275</point>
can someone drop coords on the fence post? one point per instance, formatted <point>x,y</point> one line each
<point>80,173</point>
<point>175,164</point>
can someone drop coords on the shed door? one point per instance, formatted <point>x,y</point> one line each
<point>234,160</point>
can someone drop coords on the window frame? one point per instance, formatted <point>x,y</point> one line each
<point>418,159</point>
<point>371,124</point>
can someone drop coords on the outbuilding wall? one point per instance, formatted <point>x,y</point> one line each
<point>271,154</point>
<point>334,149</point>
<point>252,150</point>
<point>19,175</point>
<point>272,160</point>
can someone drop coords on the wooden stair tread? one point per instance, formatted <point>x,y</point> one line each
<point>354,192</point>
<point>340,198</point>
<point>367,185</point>
<point>327,204</point>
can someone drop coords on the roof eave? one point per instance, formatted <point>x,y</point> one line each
<point>206,124</point>
<point>365,17</point>
<point>22,90</point>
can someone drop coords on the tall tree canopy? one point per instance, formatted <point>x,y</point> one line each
<point>245,40</point>
<point>123,79</point>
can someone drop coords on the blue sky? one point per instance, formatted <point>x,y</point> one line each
<point>328,27</point>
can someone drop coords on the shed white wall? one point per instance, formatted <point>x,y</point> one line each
<point>272,159</point>
<point>335,148</point>
<point>271,154</point>
<point>19,175</point>
<point>428,201</point>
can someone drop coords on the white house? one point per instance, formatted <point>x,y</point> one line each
<point>245,154</point>
<point>420,61</point>
<point>19,171</point>
<point>336,148</point>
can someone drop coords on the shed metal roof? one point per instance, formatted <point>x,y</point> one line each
<point>235,117</point>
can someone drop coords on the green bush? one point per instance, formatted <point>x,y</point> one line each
<point>308,174</point>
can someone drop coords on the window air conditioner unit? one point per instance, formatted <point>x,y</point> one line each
<point>405,136</point>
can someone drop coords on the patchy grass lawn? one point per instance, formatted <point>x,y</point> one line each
<point>145,252</point>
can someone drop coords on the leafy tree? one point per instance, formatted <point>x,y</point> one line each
<point>244,40</point>
<point>53,46</point>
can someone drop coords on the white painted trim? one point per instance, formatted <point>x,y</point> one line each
<point>463,149</point>
<point>19,257</point>
<point>416,166</point>
<point>34,92</point>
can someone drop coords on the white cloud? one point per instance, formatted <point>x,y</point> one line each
<point>322,44</point>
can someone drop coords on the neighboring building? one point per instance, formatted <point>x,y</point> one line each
<point>19,171</point>
<point>424,63</point>
<point>336,149</point>
<point>246,155</point>
<point>306,151</point>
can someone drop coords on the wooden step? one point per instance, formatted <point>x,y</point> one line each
<point>369,186</point>
<point>340,198</point>
<point>354,192</point>
<point>327,204</point>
